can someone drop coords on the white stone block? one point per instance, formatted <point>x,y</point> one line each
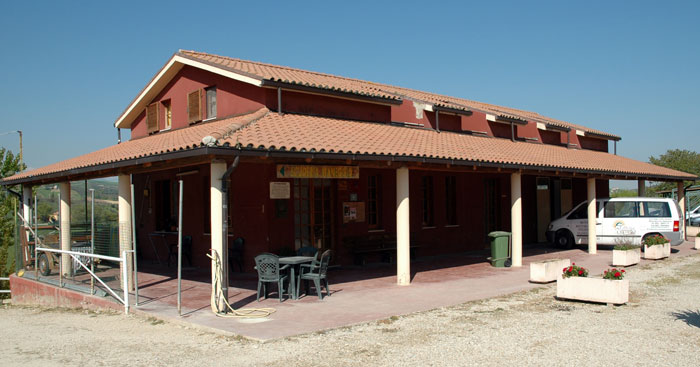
<point>657,252</point>
<point>697,243</point>
<point>547,271</point>
<point>626,257</point>
<point>593,290</point>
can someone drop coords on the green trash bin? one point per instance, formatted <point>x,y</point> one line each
<point>500,249</point>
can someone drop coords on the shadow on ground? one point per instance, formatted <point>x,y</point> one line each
<point>691,318</point>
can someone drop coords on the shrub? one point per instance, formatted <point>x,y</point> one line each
<point>614,274</point>
<point>625,247</point>
<point>656,239</point>
<point>575,271</point>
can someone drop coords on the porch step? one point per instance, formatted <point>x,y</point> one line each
<point>78,288</point>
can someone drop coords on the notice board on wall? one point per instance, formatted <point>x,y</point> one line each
<point>353,211</point>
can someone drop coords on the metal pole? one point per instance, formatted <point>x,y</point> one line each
<point>36,238</point>
<point>92,237</point>
<point>125,282</point>
<point>20,146</point>
<point>60,236</point>
<point>179,254</point>
<point>133,239</point>
<point>86,191</point>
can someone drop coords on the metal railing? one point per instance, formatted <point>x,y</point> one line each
<point>123,261</point>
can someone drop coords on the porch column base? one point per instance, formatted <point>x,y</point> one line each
<point>403,229</point>
<point>592,218</point>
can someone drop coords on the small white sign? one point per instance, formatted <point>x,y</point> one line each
<point>279,190</point>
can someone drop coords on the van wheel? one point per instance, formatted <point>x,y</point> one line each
<point>564,239</point>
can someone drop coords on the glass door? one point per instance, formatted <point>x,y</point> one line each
<point>313,213</point>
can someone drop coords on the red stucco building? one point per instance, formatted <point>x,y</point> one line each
<point>339,163</point>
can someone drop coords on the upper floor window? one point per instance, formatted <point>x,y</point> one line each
<point>167,114</point>
<point>152,118</point>
<point>211,102</point>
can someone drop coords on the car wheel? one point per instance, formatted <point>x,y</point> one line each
<point>564,239</point>
<point>44,266</point>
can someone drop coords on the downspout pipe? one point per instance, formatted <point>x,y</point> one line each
<point>225,184</point>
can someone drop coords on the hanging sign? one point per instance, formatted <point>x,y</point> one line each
<point>279,190</point>
<point>309,171</point>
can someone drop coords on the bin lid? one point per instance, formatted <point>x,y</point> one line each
<point>496,234</point>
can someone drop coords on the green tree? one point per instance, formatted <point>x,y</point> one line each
<point>680,160</point>
<point>9,165</point>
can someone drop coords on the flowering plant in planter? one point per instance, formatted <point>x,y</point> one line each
<point>575,271</point>
<point>655,240</point>
<point>614,274</point>
<point>625,247</point>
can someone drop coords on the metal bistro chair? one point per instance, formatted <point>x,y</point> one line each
<point>269,271</point>
<point>317,273</point>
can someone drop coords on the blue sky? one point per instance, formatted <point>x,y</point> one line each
<point>68,69</point>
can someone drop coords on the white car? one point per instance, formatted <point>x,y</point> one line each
<point>619,220</point>
<point>694,217</point>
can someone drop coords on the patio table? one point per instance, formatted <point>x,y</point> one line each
<point>295,261</point>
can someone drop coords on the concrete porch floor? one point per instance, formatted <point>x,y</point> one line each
<point>357,294</point>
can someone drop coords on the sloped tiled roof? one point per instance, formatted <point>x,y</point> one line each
<point>263,71</point>
<point>265,131</point>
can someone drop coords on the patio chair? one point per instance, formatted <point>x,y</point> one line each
<point>308,251</point>
<point>317,273</point>
<point>235,254</point>
<point>269,271</point>
<point>186,250</point>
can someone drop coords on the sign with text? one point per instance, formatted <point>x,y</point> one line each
<point>310,171</point>
<point>279,190</point>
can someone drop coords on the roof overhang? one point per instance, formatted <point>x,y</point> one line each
<point>164,76</point>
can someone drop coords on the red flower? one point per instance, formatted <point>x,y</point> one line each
<point>573,263</point>
<point>623,270</point>
<point>580,272</point>
<point>570,268</point>
<point>617,274</point>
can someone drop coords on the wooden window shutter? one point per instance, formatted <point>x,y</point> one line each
<point>194,106</point>
<point>152,117</point>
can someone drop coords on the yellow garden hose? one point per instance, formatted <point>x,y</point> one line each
<point>216,294</point>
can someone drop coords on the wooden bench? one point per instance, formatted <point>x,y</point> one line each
<point>381,245</point>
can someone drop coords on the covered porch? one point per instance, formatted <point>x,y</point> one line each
<point>358,294</point>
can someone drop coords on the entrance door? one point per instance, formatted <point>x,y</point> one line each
<point>544,212</point>
<point>492,207</point>
<point>313,213</point>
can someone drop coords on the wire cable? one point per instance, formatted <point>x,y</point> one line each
<point>216,294</point>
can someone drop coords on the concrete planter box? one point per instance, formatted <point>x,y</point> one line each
<point>657,252</point>
<point>593,290</point>
<point>697,243</point>
<point>547,271</point>
<point>626,257</point>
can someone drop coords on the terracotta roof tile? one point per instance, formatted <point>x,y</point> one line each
<point>262,130</point>
<point>331,82</point>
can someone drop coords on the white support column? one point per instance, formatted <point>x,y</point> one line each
<point>641,188</point>
<point>681,204</point>
<point>26,205</point>
<point>64,210</point>
<point>218,168</point>
<point>125,225</point>
<point>516,219</point>
<point>403,228</point>
<point>26,202</point>
<point>592,218</point>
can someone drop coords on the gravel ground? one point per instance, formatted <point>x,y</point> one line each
<point>659,326</point>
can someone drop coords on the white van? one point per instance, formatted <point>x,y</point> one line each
<point>620,220</point>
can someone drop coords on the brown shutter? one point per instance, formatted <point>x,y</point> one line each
<point>194,106</point>
<point>152,117</point>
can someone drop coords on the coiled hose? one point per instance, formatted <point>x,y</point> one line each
<point>231,312</point>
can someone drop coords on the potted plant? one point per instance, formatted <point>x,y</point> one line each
<point>626,254</point>
<point>575,284</point>
<point>656,247</point>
